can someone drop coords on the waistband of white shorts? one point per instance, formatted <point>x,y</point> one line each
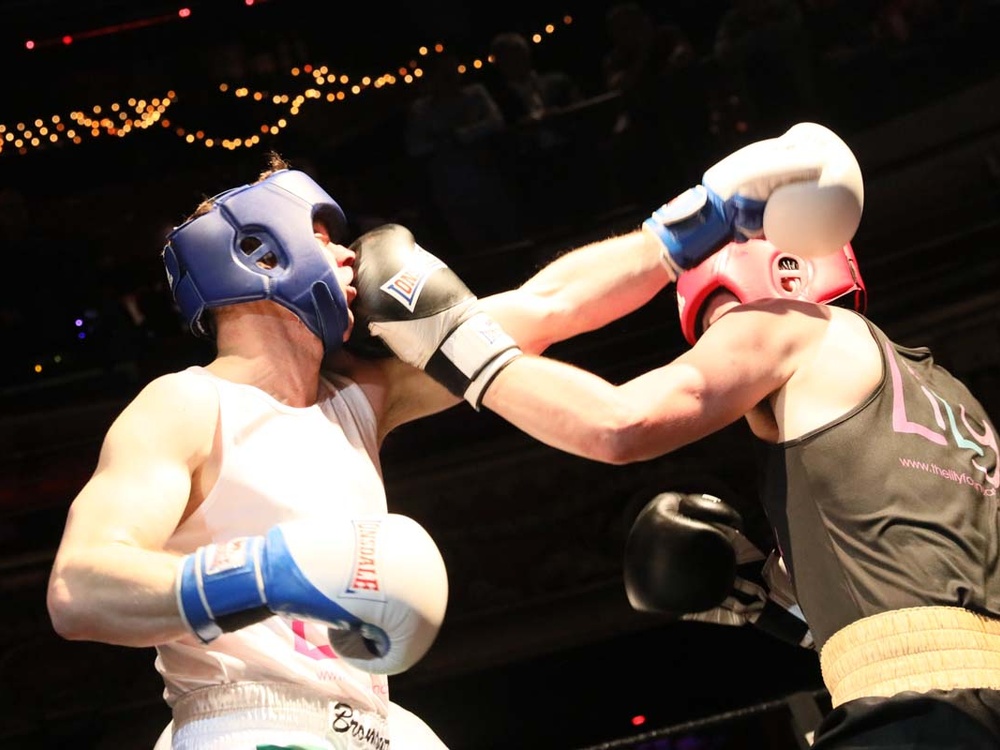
<point>269,703</point>
<point>915,649</point>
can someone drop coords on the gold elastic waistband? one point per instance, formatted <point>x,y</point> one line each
<point>916,649</point>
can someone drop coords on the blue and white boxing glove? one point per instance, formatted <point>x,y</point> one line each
<point>802,191</point>
<point>378,583</point>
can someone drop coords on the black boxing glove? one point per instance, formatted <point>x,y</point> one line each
<point>679,555</point>
<point>423,312</point>
<point>763,596</point>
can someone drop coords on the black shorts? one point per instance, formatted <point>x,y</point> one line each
<point>936,720</point>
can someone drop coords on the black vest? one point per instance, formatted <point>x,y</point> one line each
<point>892,505</point>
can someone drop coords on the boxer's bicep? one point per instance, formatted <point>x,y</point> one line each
<point>142,483</point>
<point>740,361</point>
<point>112,580</point>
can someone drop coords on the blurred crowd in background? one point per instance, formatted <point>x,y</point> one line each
<point>617,112</point>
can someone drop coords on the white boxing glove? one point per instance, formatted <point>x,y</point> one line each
<point>377,582</point>
<point>411,302</point>
<point>802,191</point>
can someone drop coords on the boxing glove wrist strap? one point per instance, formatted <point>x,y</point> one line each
<point>784,624</point>
<point>471,357</point>
<point>698,222</point>
<point>220,587</point>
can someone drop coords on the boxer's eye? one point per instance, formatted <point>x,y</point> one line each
<point>322,232</point>
<point>249,245</point>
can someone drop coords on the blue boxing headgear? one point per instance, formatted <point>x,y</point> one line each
<point>257,243</point>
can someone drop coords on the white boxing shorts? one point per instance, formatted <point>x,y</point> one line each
<point>248,715</point>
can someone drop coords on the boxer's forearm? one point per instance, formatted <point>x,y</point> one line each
<point>582,291</point>
<point>602,281</point>
<point>581,413</point>
<point>117,594</point>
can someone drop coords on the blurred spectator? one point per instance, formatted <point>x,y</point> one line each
<point>762,50</point>
<point>520,90</point>
<point>839,31</point>
<point>660,136</point>
<point>79,305</point>
<point>913,50</point>
<point>115,322</point>
<point>14,321</point>
<point>906,22</point>
<point>539,151</point>
<point>451,128</point>
<point>39,308</point>
<point>641,51</point>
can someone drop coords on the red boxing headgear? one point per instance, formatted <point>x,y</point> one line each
<point>756,269</point>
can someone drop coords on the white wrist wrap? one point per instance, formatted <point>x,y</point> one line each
<point>474,353</point>
<point>477,389</point>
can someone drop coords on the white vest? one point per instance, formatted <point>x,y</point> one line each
<point>280,463</point>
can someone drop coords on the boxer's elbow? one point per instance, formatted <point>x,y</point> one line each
<point>96,596</point>
<point>622,437</point>
<point>66,614</point>
<point>72,605</point>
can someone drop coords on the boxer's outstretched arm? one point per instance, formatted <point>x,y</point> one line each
<point>581,291</point>
<point>578,292</point>
<point>740,361</point>
<point>805,187</point>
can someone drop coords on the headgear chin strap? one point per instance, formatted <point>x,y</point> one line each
<point>257,243</point>
<point>756,269</point>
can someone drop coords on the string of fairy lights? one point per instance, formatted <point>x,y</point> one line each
<point>317,83</point>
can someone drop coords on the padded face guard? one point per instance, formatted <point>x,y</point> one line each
<point>257,243</point>
<point>756,269</point>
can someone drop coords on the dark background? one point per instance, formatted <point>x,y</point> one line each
<point>540,648</point>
